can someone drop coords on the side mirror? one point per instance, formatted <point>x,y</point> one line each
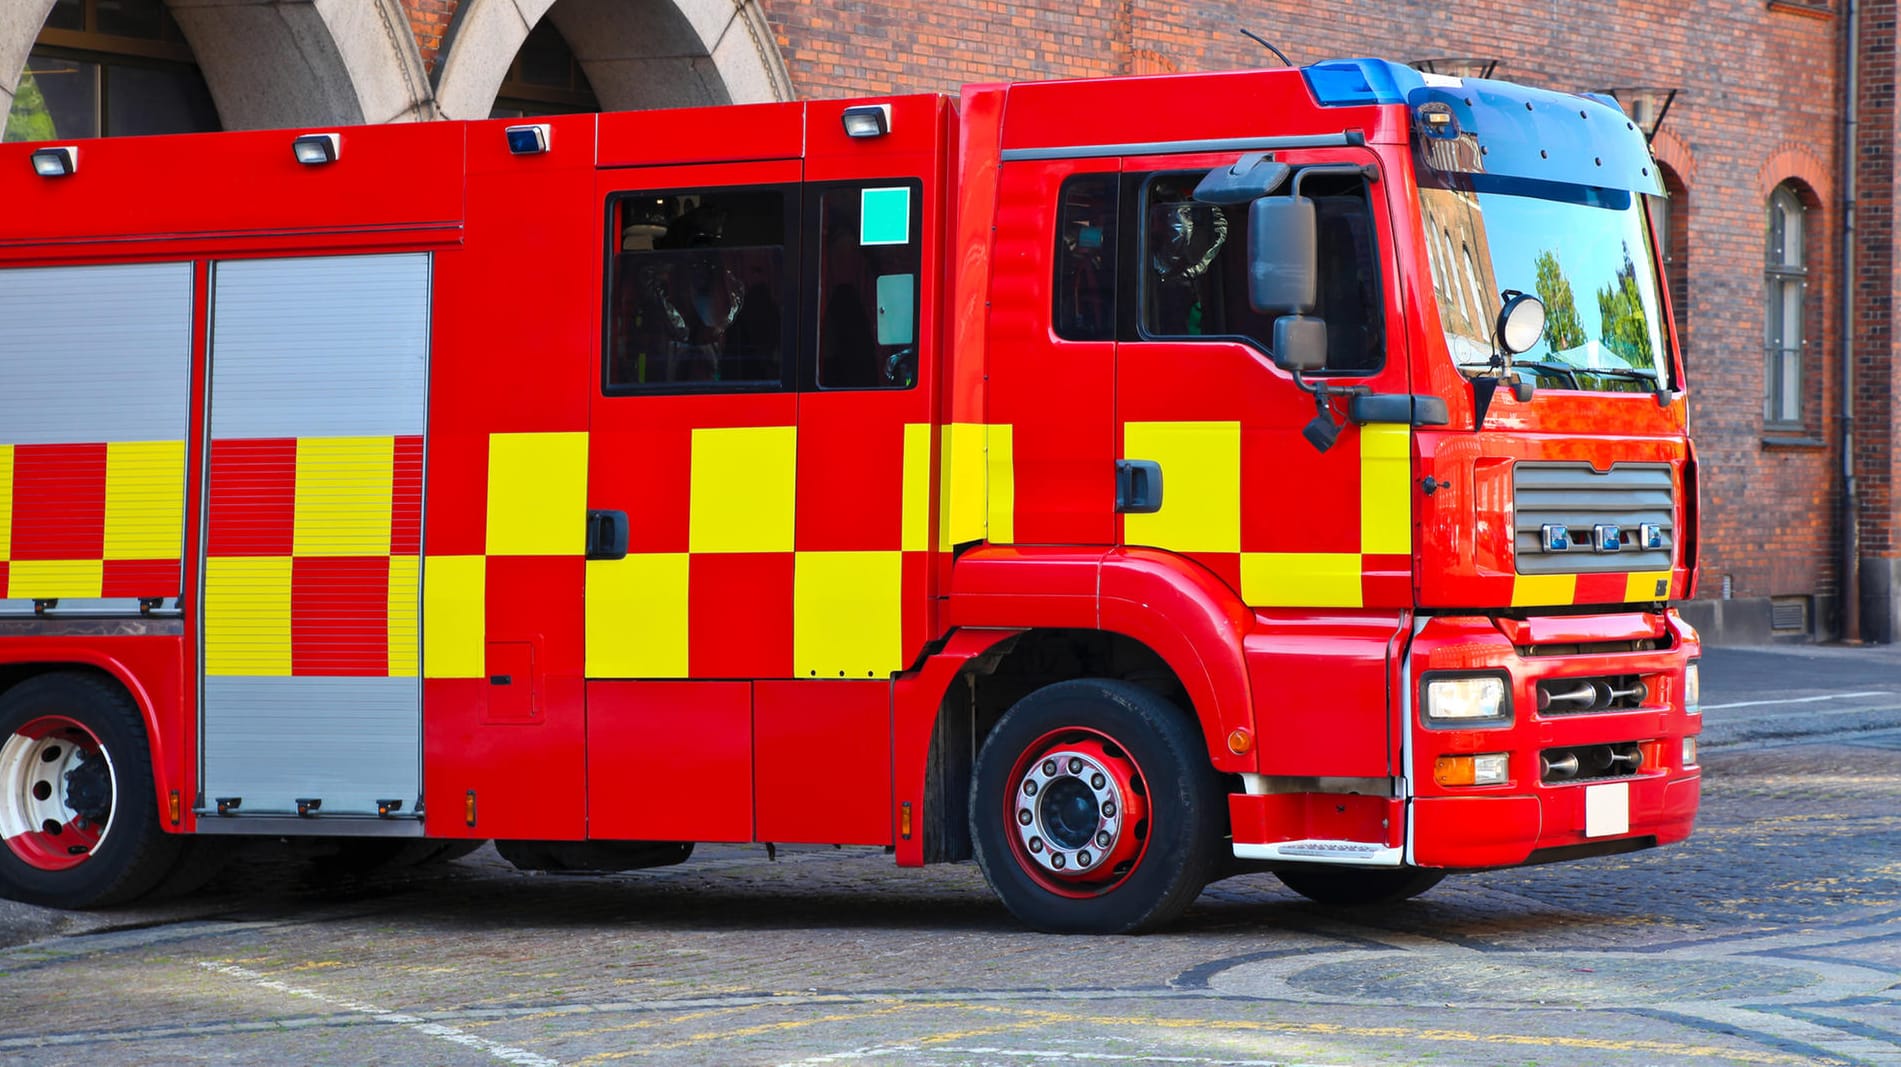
<point>1300,343</point>
<point>1521,322</point>
<point>1283,256</point>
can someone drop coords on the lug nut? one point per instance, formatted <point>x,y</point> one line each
<point>1024,816</point>
<point>1029,787</point>
<point>1036,844</point>
<point>1082,858</point>
<point>1049,767</point>
<point>1056,860</point>
<point>1108,809</point>
<point>1075,765</point>
<point>1097,781</point>
<point>1103,840</point>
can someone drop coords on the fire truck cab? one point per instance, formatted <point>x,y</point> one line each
<point>1124,483</point>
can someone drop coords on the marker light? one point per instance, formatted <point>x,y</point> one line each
<point>1689,751</point>
<point>1693,689</point>
<point>55,162</point>
<point>315,148</point>
<point>528,140</point>
<point>1488,769</point>
<point>868,120</point>
<point>1467,700</point>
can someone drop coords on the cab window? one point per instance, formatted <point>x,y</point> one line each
<point>1194,269</point>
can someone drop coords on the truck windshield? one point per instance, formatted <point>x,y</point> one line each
<point>1581,250</point>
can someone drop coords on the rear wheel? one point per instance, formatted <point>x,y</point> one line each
<point>1094,809</point>
<point>1350,887</point>
<point>78,815</point>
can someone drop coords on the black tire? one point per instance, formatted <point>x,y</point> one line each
<point>132,853</point>
<point>1176,847</point>
<point>1352,887</point>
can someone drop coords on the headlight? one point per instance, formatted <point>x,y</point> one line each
<point>1472,700</point>
<point>1692,689</point>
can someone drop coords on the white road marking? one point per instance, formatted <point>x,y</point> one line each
<point>505,1053</point>
<point>1798,700</point>
<point>1042,1055</point>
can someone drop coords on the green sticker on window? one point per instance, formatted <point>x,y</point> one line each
<point>885,217</point>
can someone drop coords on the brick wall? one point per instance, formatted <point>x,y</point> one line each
<point>428,20</point>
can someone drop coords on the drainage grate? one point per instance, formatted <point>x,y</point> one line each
<point>1789,614</point>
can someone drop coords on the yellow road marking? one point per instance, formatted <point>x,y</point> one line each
<point>748,1031</point>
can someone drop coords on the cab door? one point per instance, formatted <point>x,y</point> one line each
<point>1318,542</point>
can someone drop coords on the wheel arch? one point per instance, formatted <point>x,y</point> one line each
<point>110,669</point>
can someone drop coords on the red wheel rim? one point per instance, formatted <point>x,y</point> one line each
<point>1077,813</point>
<point>46,767</point>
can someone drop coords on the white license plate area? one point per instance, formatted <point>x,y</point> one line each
<point>1607,809</point>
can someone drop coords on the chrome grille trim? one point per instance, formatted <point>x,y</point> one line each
<point>1575,496</point>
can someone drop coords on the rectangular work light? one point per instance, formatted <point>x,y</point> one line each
<point>528,140</point>
<point>868,120</point>
<point>55,162</point>
<point>1480,700</point>
<point>317,148</point>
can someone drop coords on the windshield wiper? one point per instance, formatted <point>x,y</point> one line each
<point>1571,373</point>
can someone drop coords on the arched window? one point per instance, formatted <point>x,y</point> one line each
<point>1785,297</point>
<point>109,68</point>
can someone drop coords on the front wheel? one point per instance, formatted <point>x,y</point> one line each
<point>1351,887</point>
<point>78,814</point>
<point>1094,809</point>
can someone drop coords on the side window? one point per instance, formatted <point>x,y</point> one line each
<point>1085,307</point>
<point>698,290</point>
<point>868,242</point>
<point>1194,269</point>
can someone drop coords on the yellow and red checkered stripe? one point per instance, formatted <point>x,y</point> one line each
<point>311,557</point>
<point>756,551</point>
<point>85,521</point>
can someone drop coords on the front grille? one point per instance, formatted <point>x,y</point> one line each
<point>1593,511</point>
<point>1584,763</point>
<point>1571,696</point>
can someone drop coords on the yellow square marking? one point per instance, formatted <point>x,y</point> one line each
<point>1645,585</point>
<point>962,500</point>
<point>1300,579</point>
<point>1535,590</point>
<point>744,481</point>
<point>846,617</point>
<point>6,502</point>
<point>247,616</point>
<point>145,499</point>
<point>537,494</point>
<point>55,579</point>
<point>402,616</point>
<point>637,616</point>
<point>1000,484</point>
<point>1201,485</point>
<point>343,496</point>
<point>916,533</point>
<point>455,616</point>
<point>1386,477</point>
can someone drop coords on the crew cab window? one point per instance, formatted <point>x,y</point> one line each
<point>1085,307</point>
<point>1194,269</point>
<point>699,290</point>
<point>868,241</point>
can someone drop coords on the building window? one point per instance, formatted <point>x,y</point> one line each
<point>544,79</point>
<point>109,68</point>
<point>1786,284</point>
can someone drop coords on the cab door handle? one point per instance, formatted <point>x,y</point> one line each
<point>1138,486</point>
<point>606,534</point>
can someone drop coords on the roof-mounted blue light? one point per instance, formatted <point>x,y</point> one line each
<point>1358,82</point>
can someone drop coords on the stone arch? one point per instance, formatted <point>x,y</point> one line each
<point>637,53</point>
<point>279,63</point>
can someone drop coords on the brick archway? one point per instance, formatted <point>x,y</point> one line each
<point>637,53</point>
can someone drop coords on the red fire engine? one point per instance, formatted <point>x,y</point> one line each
<point>1125,483</point>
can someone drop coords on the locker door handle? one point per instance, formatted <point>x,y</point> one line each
<point>607,535</point>
<point>1138,486</point>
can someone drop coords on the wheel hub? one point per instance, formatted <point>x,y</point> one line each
<point>56,793</point>
<point>1073,810</point>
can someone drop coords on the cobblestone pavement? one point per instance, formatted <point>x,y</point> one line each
<point>1772,937</point>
